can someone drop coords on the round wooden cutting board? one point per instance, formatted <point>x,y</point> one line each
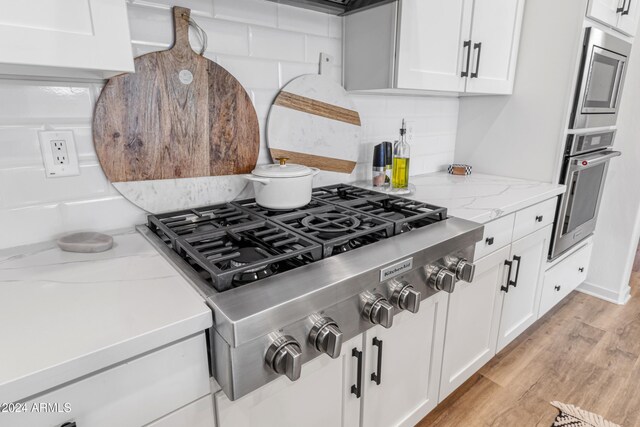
<point>179,116</point>
<point>313,122</point>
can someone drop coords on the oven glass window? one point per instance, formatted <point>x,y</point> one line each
<point>601,91</point>
<point>583,197</point>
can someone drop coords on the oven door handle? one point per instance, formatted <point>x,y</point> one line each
<point>589,160</point>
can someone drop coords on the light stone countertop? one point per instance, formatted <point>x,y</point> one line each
<point>480,197</point>
<point>65,315</point>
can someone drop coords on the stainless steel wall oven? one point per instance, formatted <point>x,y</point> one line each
<point>584,171</point>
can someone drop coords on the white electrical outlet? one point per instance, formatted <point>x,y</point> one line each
<point>59,149</point>
<point>59,153</point>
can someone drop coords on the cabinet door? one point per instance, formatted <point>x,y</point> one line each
<point>70,38</point>
<point>409,355</point>
<point>605,11</point>
<point>628,23</point>
<point>472,322</point>
<point>321,397</point>
<point>521,302</point>
<point>495,34</point>
<point>430,47</point>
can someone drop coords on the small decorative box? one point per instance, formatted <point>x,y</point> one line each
<point>459,169</point>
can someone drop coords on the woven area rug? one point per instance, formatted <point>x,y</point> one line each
<point>572,416</point>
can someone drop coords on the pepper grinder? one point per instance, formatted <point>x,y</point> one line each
<point>379,166</point>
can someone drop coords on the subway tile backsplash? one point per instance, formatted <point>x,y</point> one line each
<point>263,44</point>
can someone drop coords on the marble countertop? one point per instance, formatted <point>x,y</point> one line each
<point>480,197</point>
<point>64,315</point>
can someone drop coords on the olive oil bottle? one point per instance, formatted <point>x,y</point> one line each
<point>401,154</point>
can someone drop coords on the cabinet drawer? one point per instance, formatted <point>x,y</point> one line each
<point>497,234</point>
<point>131,394</point>
<point>564,277</point>
<point>534,218</point>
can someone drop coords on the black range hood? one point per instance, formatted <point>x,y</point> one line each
<point>335,7</point>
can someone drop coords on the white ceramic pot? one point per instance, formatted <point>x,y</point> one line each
<point>282,186</point>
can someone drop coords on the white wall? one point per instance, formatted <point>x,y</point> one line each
<point>262,43</point>
<point>618,227</point>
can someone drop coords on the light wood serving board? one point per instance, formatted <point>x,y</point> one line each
<point>313,122</point>
<point>179,116</point>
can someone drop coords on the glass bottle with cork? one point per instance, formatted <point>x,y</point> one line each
<point>401,154</point>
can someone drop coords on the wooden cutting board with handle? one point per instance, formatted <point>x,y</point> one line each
<point>179,116</point>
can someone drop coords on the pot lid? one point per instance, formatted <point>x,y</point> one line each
<point>282,169</point>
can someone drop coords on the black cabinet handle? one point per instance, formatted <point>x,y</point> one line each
<point>489,241</point>
<point>581,269</point>
<point>557,288</point>
<point>466,45</point>
<point>377,376</point>
<point>69,424</point>
<point>519,259</point>
<point>357,387</point>
<point>539,218</point>
<point>621,9</point>
<point>479,47</point>
<point>626,11</point>
<point>505,287</point>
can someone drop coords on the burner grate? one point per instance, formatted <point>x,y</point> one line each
<point>337,228</point>
<point>223,256</point>
<point>406,214</point>
<point>341,193</point>
<point>252,206</point>
<point>170,226</point>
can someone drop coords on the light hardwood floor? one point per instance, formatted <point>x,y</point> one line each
<point>584,352</point>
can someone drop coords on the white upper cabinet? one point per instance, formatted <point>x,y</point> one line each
<point>431,45</point>
<point>621,15</point>
<point>429,56</point>
<point>65,38</point>
<point>495,36</point>
<point>628,21</point>
<point>605,11</point>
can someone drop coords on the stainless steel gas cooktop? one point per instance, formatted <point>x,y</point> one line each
<point>287,286</point>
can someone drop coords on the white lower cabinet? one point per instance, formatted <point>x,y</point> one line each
<point>564,277</point>
<point>321,397</point>
<point>406,359</point>
<point>472,321</point>
<point>522,299</point>
<point>132,394</point>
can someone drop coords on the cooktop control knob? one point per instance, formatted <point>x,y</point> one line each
<point>377,310</point>
<point>285,357</point>
<point>404,296</point>
<point>440,279</point>
<point>326,337</point>
<point>463,269</point>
